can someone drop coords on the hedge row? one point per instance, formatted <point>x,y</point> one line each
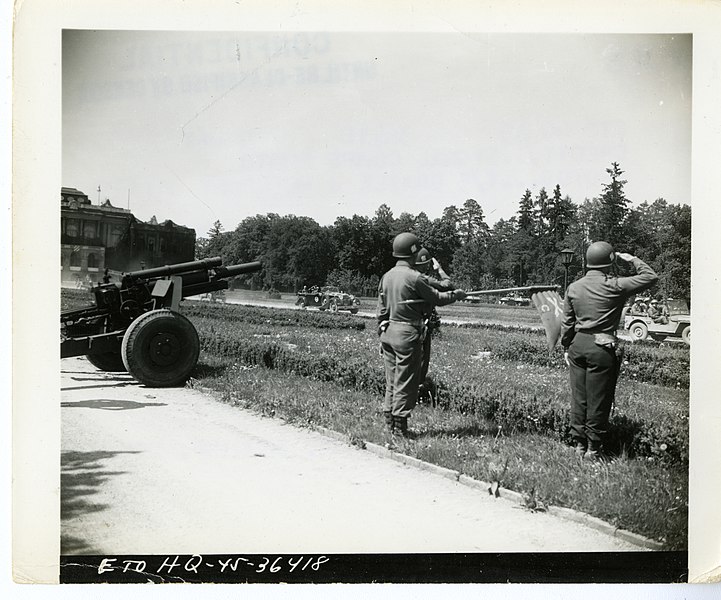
<point>650,420</point>
<point>666,364</point>
<point>261,315</point>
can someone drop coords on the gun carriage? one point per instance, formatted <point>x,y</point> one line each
<point>136,325</point>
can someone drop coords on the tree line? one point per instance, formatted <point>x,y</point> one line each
<point>525,249</point>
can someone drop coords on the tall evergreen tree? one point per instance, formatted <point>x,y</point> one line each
<point>541,212</point>
<point>613,210</point>
<point>526,219</point>
<point>472,223</point>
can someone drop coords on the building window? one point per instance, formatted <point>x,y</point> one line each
<point>71,227</point>
<point>151,244</point>
<point>90,231</point>
<point>75,260</point>
<point>92,261</point>
<point>116,232</point>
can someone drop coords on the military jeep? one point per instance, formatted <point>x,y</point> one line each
<point>328,298</point>
<point>642,326</point>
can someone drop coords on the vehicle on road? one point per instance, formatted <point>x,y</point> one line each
<point>641,326</point>
<point>214,296</point>
<point>328,298</point>
<point>515,300</point>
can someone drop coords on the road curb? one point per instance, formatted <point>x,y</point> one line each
<point>568,514</point>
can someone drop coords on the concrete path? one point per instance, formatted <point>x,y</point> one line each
<point>154,471</point>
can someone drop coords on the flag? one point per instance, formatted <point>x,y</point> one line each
<point>550,305</point>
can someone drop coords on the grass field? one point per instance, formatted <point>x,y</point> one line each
<point>459,310</point>
<point>502,411</point>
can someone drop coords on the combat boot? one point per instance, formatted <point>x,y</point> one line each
<point>388,416</point>
<point>400,426</point>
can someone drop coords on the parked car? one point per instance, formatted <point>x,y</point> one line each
<point>328,298</point>
<point>641,326</point>
<point>515,300</point>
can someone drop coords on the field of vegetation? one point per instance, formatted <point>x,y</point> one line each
<point>501,411</point>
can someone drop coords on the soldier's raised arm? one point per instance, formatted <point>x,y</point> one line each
<point>644,278</point>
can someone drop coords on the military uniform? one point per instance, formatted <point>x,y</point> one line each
<point>432,323</point>
<point>403,331</point>
<point>592,310</point>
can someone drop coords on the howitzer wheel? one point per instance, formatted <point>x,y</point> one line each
<point>107,361</point>
<point>686,334</point>
<point>160,348</point>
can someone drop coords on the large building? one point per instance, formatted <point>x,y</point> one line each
<point>95,237</point>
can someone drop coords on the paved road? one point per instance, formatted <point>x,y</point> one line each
<point>622,334</point>
<point>154,471</point>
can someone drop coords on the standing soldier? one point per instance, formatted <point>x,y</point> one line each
<point>402,295</point>
<point>430,267</point>
<point>592,310</point>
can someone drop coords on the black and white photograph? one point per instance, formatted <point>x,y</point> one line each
<point>373,305</point>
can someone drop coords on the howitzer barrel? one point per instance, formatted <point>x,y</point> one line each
<point>233,270</point>
<point>528,288</point>
<point>195,265</point>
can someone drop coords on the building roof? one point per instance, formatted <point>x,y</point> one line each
<point>83,203</point>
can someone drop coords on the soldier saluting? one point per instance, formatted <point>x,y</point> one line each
<point>592,310</point>
<point>403,293</point>
<point>430,267</point>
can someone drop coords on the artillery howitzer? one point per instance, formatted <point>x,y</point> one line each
<point>135,325</point>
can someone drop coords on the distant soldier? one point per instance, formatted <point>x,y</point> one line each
<point>403,295</point>
<point>438,279</point>
<point>638,307</point>
<point>658,311</point>
<point>592,309</point>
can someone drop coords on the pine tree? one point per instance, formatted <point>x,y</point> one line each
<point>525,212</point>
<point>614,209</point>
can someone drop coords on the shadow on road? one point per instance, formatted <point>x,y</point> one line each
<point>108,404</point>
<point>82,475</point>
<point>106,384</point>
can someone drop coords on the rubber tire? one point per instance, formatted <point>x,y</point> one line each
<point>334,306</point>
<point>108,361</point>
<point>686,334</point>
<point>161,348</point>
<point>638,331</point>
<point>354,311</point>
<point>301,303</point>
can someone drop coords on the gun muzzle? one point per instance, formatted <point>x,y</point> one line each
<point>233,270</point>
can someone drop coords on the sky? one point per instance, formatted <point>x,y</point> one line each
<point>203,126</point>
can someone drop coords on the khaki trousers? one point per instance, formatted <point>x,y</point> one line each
<point>402,355</point>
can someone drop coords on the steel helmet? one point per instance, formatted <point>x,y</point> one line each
<point>599,255</point>
<point>405,245</point>
<point>423,258</point>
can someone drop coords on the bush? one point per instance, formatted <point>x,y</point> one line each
<point>276,317</point>
<point>520,387</point>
